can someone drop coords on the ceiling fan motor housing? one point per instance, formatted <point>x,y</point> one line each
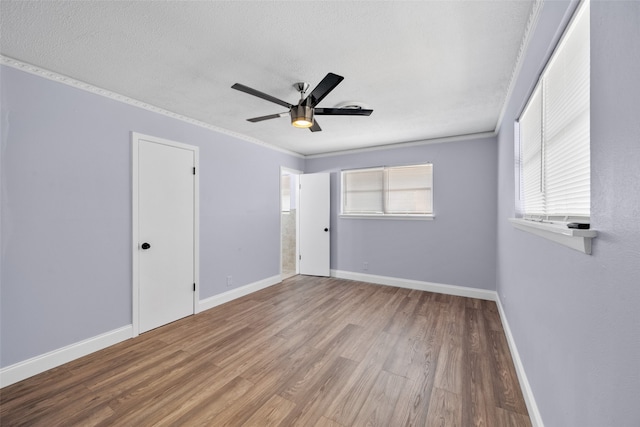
<point>301,116</point>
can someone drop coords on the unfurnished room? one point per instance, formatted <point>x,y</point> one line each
<point>320,213</point>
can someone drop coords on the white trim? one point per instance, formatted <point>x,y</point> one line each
<point>196,233</point>
<point>225,297</point>
<point>135,303</point>
<point>50,75</point>
<point>439,288</point>
<point>452,138</point>
<point>416,217</point>
<point>529,399</point>
<point>135,285</point>
<point>573,238</point>
<point>36,365</point>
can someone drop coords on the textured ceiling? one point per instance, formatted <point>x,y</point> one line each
<point>428,69</point>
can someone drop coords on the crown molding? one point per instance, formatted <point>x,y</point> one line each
<point>50,75</point>
<point>453,138</point>
<point>524,45</point>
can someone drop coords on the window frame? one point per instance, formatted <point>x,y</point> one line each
<point>383,214</point>
<point>547,224</point>
<point>540,90</point>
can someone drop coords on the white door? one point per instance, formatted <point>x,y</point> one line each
<point>314,224</point>
<point>166,233</point>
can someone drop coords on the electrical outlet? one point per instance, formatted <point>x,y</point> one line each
<point>365,266</point>
<point>229,281</point>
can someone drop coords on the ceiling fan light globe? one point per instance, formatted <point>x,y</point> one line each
<point>302,116</point>
<point>302,123</point>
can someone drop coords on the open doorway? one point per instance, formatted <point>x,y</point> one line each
<point>289,222</point>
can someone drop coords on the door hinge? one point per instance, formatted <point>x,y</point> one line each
<point>194,287</point>
<point>194,170</point>
<point>299,257</point>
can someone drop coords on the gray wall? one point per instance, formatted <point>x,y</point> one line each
<point>456,248</point>
<point>575,318</point>
<point>66,212</point>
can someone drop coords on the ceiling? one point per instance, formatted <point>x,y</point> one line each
<point>428,69</point>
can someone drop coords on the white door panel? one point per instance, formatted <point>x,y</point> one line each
<point>166,224</point>
<point>314,224</point>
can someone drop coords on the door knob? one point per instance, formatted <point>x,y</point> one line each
<point>145,246</point>
<point>326,229</point>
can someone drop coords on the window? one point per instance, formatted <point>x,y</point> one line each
<point>554,132</point>
<point>388,191</point>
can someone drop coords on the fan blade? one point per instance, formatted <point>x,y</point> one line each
<point>270,116</point>
<point>342,112</point>
<point>315,127</point>
<point>250,91</point>
<point>327,84</point>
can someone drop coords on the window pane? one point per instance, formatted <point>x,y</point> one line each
<point>362,191</point>
<point>566,123</point>
<point>531,137</point>
<point>409,190</point>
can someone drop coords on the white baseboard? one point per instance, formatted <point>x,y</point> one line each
<point>439,288</point>
<point>532,407</point>
<point>224,297</point>
<point>30,367</point>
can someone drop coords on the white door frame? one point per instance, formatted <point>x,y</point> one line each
<point>135,301</point>
<point>291,172</point>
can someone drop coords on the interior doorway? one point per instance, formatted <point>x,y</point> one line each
<point>289,222</point>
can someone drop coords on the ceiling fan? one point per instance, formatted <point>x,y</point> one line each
<point>302,114</point>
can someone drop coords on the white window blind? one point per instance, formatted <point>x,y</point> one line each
<point>362,191</point>
<point>402,190</point>
<point>531,163</point>
<point>555,130</point>
<point>408,190</point>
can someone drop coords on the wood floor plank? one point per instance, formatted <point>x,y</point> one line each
<point>206,409</point>
<point>402,317</point>
<point>510,419</point>
<point>445,409</point>
<point>350,399</point>
<point>506,388</point>
<point>449,369</point>
<point>313,405</point>
<point>378,407</point>
<point>478,396</point>
<point>271,413</point>
<point>326,422</point>
<point>297,387</point>
<point>412,406</point>
<point>163,401</point>
<point>309,351</point>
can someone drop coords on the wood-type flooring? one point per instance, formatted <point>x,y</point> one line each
<point>307,352</point>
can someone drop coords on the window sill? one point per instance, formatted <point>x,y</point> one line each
<point>404,217</point>
<point>577,239</point>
